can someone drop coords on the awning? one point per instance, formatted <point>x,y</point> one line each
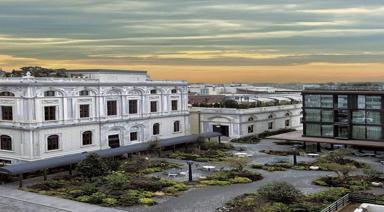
<point>75,158</point>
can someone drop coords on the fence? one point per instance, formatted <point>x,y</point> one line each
<point>338,204</point>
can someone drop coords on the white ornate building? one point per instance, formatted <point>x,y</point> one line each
<point>47,117</point>
<point>236,123</point>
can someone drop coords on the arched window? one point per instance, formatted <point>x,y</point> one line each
<point>287,114</point>
<point>49,93</point>
<point>173,91</point>
<point>53,142</point>
<point>156,129</point>
<point>153,91</point>
<point>250,119</point>
<point>6,142</point>
<point>87,138</point>
<point>84,93</point>
<point>6,93</point>
<point>270,116</point>
<point>176,126</point>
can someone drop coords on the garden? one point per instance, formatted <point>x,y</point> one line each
<point>282,197</point>
<point>125,183</point>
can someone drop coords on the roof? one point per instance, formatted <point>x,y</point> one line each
<point>298,136</point>
<point>75,158</point>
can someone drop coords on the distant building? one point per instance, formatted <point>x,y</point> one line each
<point>94,109</point>
<point>236,122</point>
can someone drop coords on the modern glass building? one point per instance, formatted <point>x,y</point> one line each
<point>344,113</point>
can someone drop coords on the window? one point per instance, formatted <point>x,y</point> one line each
<point>87,138</point>
<point>84,93</point>
<point>49,93</point>
<point>176,126</point>
<point>112,108</point>
<point>270,116</point>
<point>287,115</point>
<point>132,106</point>
<point>373,102</point>
<point>156,129</point>
<point>250,119</point>
<point>114,141</point>
<point>84,111</point>
<point>287,123</point>
<point>53,142</point>
<point>133,136</point>
<point>358,117</point>
<point>342,101</point>
<point>327,130</point>
<point>6,142</point>
<point>313,130</point>
<point>373,117</point>
<point>270,125</point>
<point>312,100</point>
<point>173,91</point>
<point>6,93</point>
<point>326,101</point>
<point>153,106</point>
<point>250,129</point>
<point>50,113</point>
<point>174,104</point>
<point>327,116</point>
<point>312,115</point>
<point>358,132</point>
<point>374,133</point>
<point>6,113</point>
<point>153,91</point>
<point>360,102</point>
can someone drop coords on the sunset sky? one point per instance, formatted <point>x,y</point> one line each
<point>200,40</point>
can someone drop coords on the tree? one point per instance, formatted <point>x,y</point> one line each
<point>229,103</point>
<point>342,170</point>
<point>92,166</point>
<point>280,192</point>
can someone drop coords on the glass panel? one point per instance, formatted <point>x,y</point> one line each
<point>361,102</point>
<point>373,117</point>
<point>312,100</point>
<point>342,101</point>
<point>373,102</point>
<point>343,116</point>
<point>327,116</point>
<point>313,130</point>
<point>343,132</point>
<point>312,115</point>
<point>327,101</point>
<point>358,117</point>
<point>374,133</point>
<point>358,132</point>
<point>327,130</point>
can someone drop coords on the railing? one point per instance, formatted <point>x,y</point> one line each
<point>338,204</point>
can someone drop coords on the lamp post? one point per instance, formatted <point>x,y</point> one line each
<point>190,170</point>
<point>294,155</point>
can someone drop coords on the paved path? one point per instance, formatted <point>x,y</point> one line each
<point>13,200</point>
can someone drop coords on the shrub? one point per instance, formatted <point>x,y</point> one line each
<point>280,192</point>
<point>327,196</point>
<point>92,166</point>
<point>88,188</point>
<point>76,193</point>
<point>117,179</point>
<point>253,139</point>
<point>240,180</point>
<point>145,183</point>
<point>109,201</point>
<point>257,166</point>
<point>84,198</point>
<point>215,182</point>
<point>146,201</point>
<point>97,198</point>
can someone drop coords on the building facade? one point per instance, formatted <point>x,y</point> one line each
<point>236,123</point>
<point>48,117</point>
<point>343,113</point>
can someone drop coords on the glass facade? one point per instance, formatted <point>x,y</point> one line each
<point>344,116</point>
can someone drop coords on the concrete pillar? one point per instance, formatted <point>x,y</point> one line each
<point>318,147</point>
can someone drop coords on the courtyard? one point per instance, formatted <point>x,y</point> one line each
<point>196,198</point>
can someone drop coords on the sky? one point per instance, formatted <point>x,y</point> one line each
<point>200,40</point>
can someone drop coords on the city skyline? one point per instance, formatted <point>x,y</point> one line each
<point>199,41</point>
